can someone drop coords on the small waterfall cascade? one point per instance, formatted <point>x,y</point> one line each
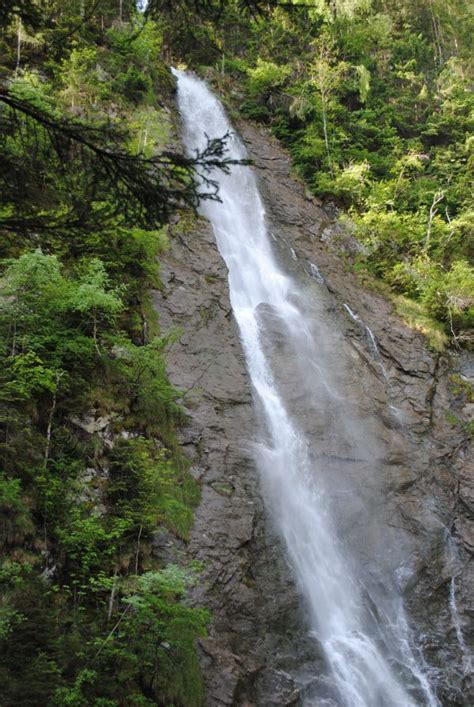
<point>466,654</point>
<point>367,645</point>
<point>371,340</point>
<point>316,273</point>
<point>452,565</point>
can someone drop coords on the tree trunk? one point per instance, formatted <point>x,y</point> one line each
<point>325,130</point>
<point>94,333</point>
<point>137,555</point>
<point>439,196</point>
<point>18,46</point>
<point>13,349</point>
<point>50,422</point>
<point>112,595</point>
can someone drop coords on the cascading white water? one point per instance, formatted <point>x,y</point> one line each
<point>371,339</point>
<point>368,651</point>
<point>466,655</point>
<point>452,561</point>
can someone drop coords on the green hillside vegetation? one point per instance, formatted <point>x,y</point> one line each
<point>89,615</point>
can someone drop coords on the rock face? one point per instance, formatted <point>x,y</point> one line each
<point>245,581</point>
<point>414,474</point>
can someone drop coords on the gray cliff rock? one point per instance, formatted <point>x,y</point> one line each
<point>414,474</point>
<point>245,581</point>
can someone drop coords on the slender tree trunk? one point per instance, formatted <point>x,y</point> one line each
<point>112,595</point>
<point>18,46</point>
<point>325,130</point>
<point>13,349</point>
<point>453,230</point>
<point>50,421</point>
<point>455,337</point>
<point>223,55</point>
<point>144,329</point>
<point>94,334</point>
<point>49,430</point>
<point>436,33</point>
<point>111,633</point>
<point>439,196</point>
<point>137,555</point>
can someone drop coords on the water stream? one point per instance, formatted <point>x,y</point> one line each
<point>452,562</point>
<point>366,641</point>
<point>371,340</point>
<point>316,273</point>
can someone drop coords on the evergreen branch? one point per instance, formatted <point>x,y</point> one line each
<point>144,188</point>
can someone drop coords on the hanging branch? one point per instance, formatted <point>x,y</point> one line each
<point>145,189</point>
<point>214,8</point>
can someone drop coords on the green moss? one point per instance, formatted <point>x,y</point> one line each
<point>461,387</point>
<point>223,488</point>
<point>467,426</point>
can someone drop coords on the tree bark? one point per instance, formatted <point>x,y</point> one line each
<point>112,595</point>
<point>49,429</point>
<point>18,46</point>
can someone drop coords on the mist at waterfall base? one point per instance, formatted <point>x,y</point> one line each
<point>355,611</point>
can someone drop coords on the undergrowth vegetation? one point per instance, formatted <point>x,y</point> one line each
<point>90,614</point>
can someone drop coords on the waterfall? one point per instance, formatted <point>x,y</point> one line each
<point>466,655</point>
<point>316,273</point>
<point>372,341</point>
<point>452,562</point>
<point>366,642</point>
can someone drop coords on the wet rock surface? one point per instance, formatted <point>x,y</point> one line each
<point>245,581</point>
<point>415,475</point>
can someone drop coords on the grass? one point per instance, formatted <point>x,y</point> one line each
<point>415,315</point>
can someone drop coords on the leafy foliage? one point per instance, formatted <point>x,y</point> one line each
<point>88,613</point>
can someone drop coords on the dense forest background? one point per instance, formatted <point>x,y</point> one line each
<point>372,98</point>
